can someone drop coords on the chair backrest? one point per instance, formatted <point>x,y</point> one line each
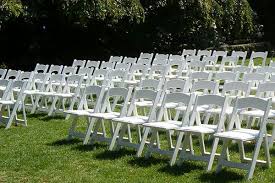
<point>73,84</point>
<point>146,56</point>
<point>107,65</point>
<point>58,80</point>
<point>258,55</point>
<point>175,58</point>
<point>230,60</point>
<point>243,69</point>
<point>236,88</point>
<point>18,87</point>
<point>208,87</point>
<point>85,72</point>
<point>254,77</point>
<point>3,73</point>
<point>249,103</point>
<point>130,60</point>
<point>92,64</point>
<point>100,77</point>
<point>189,52</point>
<point>154,84</point>
<point>196,65</point>
<point>272,63</point>
<point>202,53</point>
<point>176,85</point>
<point>210,60</point>
<point>79,63</point>
<point>12,74</point>
<point>148,95</point>
<point>39,81</point>
<point>160,59</point>
<point>117,77</point>
<point>123,66</point>
<point>192,58</point>
<point>69,70</point>
<point>266,70</point>
<point>139,69</point>
<point>97,92</point>
<point>116,59</point>
<point>159,70</point>
<point>28,77</point>
<point>226,76</point>
<point>56,69</point>
<point>181,99</point>
<point>266,90</point>
<point>241,56</point>
<point>213,101</point>
<point>200,76</point>
<point>144,61</point>
<point>41,68</point>
<point>123,94</point>
<point>5,85</point>
<point>176,67</point>
<point>219,54</point>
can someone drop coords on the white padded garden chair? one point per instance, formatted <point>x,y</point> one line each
<point>146,56</point>
<point>123,66</point>
<point>136,74</point>
<point>243,135</point>
<point>12,102</point>
<point>262,56</point>
<point>67,96</point>
<point>255,79</point>
<point>69,70</point>
<point>84,109</point>
<point>92,64</point>
<point>211,62</point>
<point>219,54</point>
<point>166,124</point>
<point>133,118</point>
<point>144,61</point>
<point>227,63</point>
<point>266,70</point>
<point>241,56</point>
<point>100,77</point>
<point>106,114</point>
<point>158,71</point>
<point>115,59</point>
<point>175,68</point>
<point>107,65</point>
<point>87,75</point>
<point>160,59</point>
<point>55,85</point>
<point>12,74</point>
<point>41,68</point>
<point>202,53</point>
<point>199,128</point>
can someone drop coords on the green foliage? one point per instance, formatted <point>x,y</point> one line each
<point>10,9</point>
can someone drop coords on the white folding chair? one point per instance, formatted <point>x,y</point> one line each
<point>12,102</point>
<point>166,124</point>
<point>241,56</point>
<point>87,74</point>
<point>175,68</point>
<point>241,135</point>
<point>41,68</point>
<point>219,54</point>
<point>255,79</point>
<point>202,53</point>
<point>55,69</point>
<point>226,76</point>
<point>136,74</point>
<point>158,71</point>
<point>84,109</point>
<point>107,65</point>
<point>211,62</point>
<point>199,128</point>
<point>99,119</point>
<point>266,70</point>
<point>68,95</point>
<point>55,85</point>
<point>5,88</point>
<point>146,56</point>
<point>228,63</point>
<point>133,118</point>
<point>3,73</point>
<point>123,66</point>
<point>116,78</point>
<point>100,77</point>
<point>144,61</point>
<point>92,64</point>
<point>258,55</point>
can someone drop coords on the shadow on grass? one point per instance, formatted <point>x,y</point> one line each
<point>146,162</point>
<point>176,170</point>
<point>45,117</point>
<point>85,148</point>
<point>223,176</point>
<point>64,142</point>
<point>112,155</point>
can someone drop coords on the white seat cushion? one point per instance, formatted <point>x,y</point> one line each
<point>199,129</point>
<point>258,113</point>
<point>2,88</point>
<point>80,112</point>
<point>241,134</point>
<point>136,120</point>
<point>199,109</point>
<point>167,125</point>
<point>144,103</point>
<point>30,92</point>
<point>64,95</point>
<point>108,115</point>
<point>229,110</point>
<point>7,102</point>
<point>133,82</point>
<point>44,93</point>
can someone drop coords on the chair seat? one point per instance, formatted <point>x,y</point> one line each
<point>199,108</point>
<point>204,129</point>
<point>229,110</point>
<point>258,113</point>
<point>117,80</point>
<point>64,95</point>
<point>30,92</point>
<point>44,93</point>
<point>133,82</point>
<point>169,105</point>
<point>144,103</point>
<point>7,102</point>
<point>167,125</point>
<point>171,76</point>
<point>108,115</point>
<point>100,78</point>
<point>241,134</point>
<point>136,120</point>
<point>2,88</point>
<point>80,112</point>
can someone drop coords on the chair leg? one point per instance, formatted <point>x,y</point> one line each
<point>176,150</point>
<point>12,115</point>
<point>241,150</point>
<point>254,158</point>
<point>267,153</point>
<point>143,141</point>
<point>114,138</point>
<point>73,126</point>
<point>223,154</point>
<point>212,154</point>
<point>94,134</point>
<point>153,139</point>
<point>202,145</point>
<point>89,130</point>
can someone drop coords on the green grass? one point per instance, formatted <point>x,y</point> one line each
<point>42,153</point>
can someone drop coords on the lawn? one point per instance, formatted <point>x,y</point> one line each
<point>42,153</point>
